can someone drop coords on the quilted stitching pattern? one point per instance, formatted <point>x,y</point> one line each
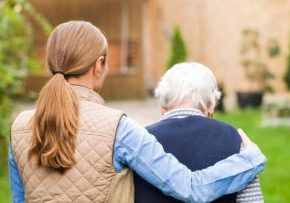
<point>90,179</point>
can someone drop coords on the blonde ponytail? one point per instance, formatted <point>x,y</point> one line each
<point>71,49</point>
<point>55,124</point>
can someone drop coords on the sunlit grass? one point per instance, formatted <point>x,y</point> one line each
<point>275,143</point>
<point>4,189</point>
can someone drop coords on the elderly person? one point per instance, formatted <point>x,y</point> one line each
<point>73,148</point>
<point>188,94</point>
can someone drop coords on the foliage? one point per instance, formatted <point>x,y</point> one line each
<point>16,56</point>
<point>273,48</point>
<point>253,59</point>
<point>178,49</point>
<point>16,61</point>
<point>287,74</point>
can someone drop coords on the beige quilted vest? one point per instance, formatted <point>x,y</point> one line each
<point>93,179</point>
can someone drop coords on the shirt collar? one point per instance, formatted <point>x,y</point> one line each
<point>181,113</point>
<point>88,94</point>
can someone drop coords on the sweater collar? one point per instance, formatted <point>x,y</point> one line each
<point>181,113</point>
<point>88,94</point>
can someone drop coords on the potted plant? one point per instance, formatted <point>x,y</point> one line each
<point>256,70</point>
<point>277,113</point>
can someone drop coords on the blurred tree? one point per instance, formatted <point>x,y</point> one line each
<point>16,56</point>
<point>273,48</point>
<point>178,48</point>
<point>287,74</point>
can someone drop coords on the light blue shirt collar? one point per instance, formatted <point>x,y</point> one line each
<point>181,113</point>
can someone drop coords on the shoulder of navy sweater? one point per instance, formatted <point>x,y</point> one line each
<point>202,122</point>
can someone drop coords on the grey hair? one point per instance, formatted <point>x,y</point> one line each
<point>188,82</point>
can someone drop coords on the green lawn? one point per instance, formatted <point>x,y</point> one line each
<point>4,189</point>
<point>274,142</point>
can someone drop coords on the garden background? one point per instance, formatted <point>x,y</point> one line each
<point>261,107</point>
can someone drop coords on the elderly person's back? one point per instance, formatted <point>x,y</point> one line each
<point>188,94</point>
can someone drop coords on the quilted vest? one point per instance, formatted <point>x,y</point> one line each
<point>93,178</point>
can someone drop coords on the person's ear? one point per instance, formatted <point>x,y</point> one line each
<point>99,66</point>
<point>102,61</point>
<point>210,112</point>
<point>164,109</point>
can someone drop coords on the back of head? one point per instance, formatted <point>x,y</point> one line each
<point>71,50</point>
<point>74,46</point>
<point>188,83</point>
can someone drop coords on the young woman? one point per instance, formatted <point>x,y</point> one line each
<point>72,148</point>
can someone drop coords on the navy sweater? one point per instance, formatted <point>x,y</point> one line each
<point>197,142</point>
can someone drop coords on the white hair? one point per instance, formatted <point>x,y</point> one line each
<point>186,83</point>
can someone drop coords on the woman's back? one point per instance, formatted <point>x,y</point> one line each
<point>93,178</point>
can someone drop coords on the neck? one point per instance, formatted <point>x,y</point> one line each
<point>81,82</point>
<point>181,106</point>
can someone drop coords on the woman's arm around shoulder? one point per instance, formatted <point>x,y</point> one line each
<point>139,150</point>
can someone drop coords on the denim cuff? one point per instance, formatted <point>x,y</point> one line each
<point>255,157</point>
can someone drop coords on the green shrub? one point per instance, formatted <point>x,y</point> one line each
<point>178,49</point>
<point>15,42</point>
<point>16,61</point>
<point>287,74</point>
<point>16,56</point>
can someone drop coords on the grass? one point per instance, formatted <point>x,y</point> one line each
<point>4,188</point>
<point>4,183</point>
<point>274,142</point>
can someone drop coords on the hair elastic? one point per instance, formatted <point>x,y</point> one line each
<point>58,72</point>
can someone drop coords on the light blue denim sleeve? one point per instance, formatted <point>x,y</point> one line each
<point>139,150</point>
<point>16,185</point>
